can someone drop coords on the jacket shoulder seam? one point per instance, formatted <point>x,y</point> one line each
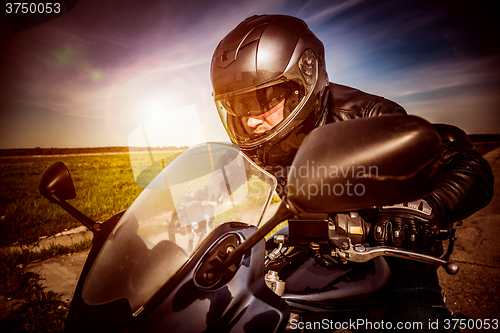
<point>370,106</point>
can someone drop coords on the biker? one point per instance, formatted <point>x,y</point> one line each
<point>271,89</point>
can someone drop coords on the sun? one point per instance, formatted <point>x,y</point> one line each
<point>156,109</point>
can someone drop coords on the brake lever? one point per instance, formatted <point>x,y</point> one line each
<point>364,254</point>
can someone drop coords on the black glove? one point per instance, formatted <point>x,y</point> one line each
<point>414,225</point>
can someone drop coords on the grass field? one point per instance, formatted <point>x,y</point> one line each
<point>104,186</point>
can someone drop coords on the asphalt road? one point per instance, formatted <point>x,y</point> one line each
<point>474,291</point>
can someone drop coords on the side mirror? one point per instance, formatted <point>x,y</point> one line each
<point>56,182</point>
<point>57,186</point>
<point>363,163</point>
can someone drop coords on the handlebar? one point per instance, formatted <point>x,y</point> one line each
<point>339,234</point>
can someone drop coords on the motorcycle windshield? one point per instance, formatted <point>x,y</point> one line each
<point>205,186</point>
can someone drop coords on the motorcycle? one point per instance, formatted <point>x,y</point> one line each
<point>175,261</point>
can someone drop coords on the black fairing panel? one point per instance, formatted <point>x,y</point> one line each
<point>345,286</point>
<point>244,304</point>
<point>77,319</point>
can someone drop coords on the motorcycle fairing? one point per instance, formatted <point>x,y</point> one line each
<point>77,318</point>
<point>310,286</point>
<point>244,304</point>
<point>343,287</point>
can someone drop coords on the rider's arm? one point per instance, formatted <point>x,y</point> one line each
<point>467,185</point>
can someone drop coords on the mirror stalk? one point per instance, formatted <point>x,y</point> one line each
<point>82,218</point>
<point>284,212</point>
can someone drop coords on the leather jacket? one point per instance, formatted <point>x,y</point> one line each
<point>468,182</point>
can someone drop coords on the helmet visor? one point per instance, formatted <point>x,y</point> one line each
<point>250,115</point>
<point>257,102</point>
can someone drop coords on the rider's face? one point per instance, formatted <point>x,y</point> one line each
<point>258,125</point>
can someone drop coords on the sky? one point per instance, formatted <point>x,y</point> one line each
<point>95,74</point>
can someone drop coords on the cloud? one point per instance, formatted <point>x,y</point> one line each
<point>92,64</point>
<point>317,13</point>
<point>463,93</point>
<point>438,75</point>
<point>109,65</point>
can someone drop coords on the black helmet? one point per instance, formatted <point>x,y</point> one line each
<point>270,86</point>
